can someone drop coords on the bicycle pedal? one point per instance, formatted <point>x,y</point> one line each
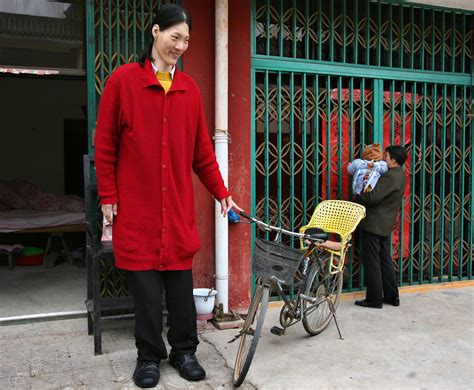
<point>277,331</point>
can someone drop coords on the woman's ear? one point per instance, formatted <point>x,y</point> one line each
<point>155,30</point>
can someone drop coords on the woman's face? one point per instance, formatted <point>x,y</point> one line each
<point>169,44</point>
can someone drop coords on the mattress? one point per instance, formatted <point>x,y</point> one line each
<point>17,220</point>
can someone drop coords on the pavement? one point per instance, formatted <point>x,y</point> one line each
<point>426,343</point>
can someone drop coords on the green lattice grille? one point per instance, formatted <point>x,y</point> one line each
<point>297,157</point>
<point>301,158</point>
<point>438,209</point>
<point>365,32</point>
<point>122,29</point>
<point>291,115</point>
<point>309,121</point>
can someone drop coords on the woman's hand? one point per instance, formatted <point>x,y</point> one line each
<point>227,204</point>
<point>109,210</point>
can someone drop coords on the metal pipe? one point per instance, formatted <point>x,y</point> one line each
<point>221,139</point>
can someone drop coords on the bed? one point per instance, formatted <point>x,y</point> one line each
<point>24,208</point>
<point>33,221</point>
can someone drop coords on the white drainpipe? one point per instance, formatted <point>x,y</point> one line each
<point>221,146</point>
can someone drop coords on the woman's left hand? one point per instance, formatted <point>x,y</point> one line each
<point>227,204</point>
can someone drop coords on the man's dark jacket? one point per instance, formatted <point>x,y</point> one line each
<point>383,203</point>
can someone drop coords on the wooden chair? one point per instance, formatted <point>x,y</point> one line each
<point>107,287</point>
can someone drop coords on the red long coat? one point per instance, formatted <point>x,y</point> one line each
<point>146,145</point>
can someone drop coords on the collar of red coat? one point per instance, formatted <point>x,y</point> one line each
<point>149,78</point>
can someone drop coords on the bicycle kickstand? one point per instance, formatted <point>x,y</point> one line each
<point>331,307</point>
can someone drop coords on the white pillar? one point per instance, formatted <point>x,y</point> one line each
<point>221,147</point>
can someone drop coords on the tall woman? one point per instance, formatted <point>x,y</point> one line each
<point>151,134</point>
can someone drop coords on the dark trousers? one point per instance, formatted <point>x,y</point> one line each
<point>379,271</point>
<point>147,290</point>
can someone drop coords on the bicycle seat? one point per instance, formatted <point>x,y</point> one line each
<point>317,234</point>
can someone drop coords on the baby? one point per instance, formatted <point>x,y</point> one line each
<point>367,171</point>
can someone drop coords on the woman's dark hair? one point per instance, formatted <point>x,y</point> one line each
<point>168,16</point>
<point>398,153</point>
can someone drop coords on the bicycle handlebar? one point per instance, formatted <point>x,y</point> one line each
<point>318,237</point>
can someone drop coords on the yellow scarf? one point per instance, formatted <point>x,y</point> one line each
<point>164,78</point>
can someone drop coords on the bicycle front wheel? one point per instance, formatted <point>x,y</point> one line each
<point>250,333</point>
<point>324,290</point>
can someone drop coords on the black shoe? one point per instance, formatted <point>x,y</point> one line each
<point>188,366</point>
<point>366,303</point>
<point>392,301</point>
<point>146,374</point>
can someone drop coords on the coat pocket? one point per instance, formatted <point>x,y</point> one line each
<point>125,233</point>
<point>189,243</point>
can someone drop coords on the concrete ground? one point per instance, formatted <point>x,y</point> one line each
<point>426,343</point>
<point>35,290</point>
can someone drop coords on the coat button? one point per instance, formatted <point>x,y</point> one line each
<point>164,120</point>
<point>164,188</point>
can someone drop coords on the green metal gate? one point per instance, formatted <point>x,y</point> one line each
<point>329,77</point>
<point>117,31</point>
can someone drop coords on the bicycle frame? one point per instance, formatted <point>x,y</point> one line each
<point>315,281</point>
<point>296,308</point>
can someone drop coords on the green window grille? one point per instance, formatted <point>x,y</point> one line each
<point>360,32</point>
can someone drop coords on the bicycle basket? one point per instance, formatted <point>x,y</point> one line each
<point>271,258</point>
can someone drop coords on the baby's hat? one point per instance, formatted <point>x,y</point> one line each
<point>372,152</point>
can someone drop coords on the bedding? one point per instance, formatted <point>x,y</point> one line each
<point>16,220</point>
<point>23,206</point>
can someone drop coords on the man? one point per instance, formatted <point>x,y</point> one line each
<point>382,207</point>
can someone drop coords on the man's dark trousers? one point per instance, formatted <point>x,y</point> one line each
<point>379,271</point>
<point>147,289</point>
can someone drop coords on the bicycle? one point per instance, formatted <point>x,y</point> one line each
<point>315,273</point>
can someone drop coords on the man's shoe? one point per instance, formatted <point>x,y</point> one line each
<point>146,374</point>
<point>392,301</point>
<point>366,303</point>
<point>188,366</point>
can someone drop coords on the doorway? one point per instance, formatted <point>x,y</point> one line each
<point>43,136</point>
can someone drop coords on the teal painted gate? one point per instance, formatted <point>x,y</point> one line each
<point>329,77</point>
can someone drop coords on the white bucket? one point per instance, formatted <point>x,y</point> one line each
<point>204,299</point>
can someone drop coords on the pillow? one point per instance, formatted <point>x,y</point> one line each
<point>28,191</point>
<point>37,199</point>
<point>72,203</point>
<point>10,198</point>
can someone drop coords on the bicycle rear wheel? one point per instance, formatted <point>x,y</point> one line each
<point>250,333</point>
<point>325,290</point>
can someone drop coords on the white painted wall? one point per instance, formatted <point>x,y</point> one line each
<point>460,4</point>
<point>32,113</point>
<point>34,7</point>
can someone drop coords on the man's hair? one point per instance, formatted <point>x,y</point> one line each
<point>398,153</point>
